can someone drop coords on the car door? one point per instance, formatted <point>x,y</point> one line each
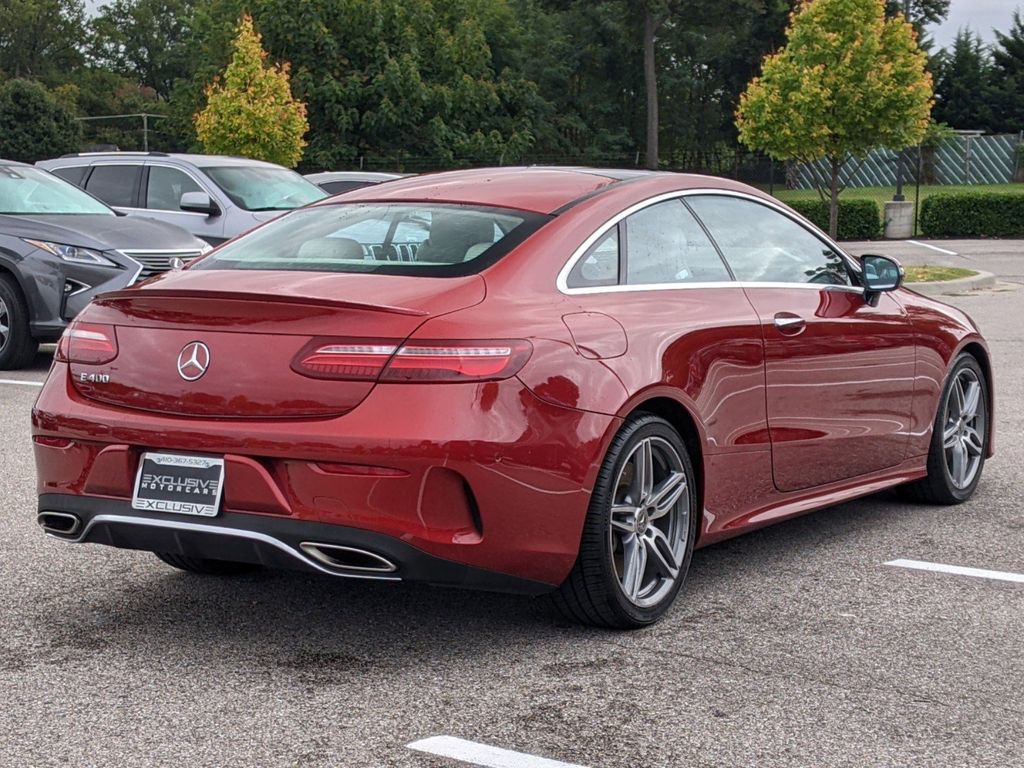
<point>162,188</point>
<point>839,370</point>
<point>657,277</point>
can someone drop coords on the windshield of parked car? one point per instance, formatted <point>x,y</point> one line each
<point>394,238</point>
<point>255,188</point>
<point>25,190</point>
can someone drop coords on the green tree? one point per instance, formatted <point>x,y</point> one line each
<point>40,38</point>
<point>251,111</point>
<point>920,13</point>
<point>963,87</point>
<point>148,40</point>
<point>1008,77</point>
<point>848,80</point>
<point>386,79</point>
<point>33,124</point>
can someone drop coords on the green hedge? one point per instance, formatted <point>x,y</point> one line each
<point>973,214</point>
<point>858,219</point>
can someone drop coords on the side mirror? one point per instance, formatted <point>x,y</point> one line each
<point>880,274</point>
<point>199,202</point>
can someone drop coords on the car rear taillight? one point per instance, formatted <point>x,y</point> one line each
<point>422,362</point>
<point>89,343</point>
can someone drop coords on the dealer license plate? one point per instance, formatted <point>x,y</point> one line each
<point>185,485</point>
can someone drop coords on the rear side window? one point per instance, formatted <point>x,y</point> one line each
<point>391,238</point>
<point>166,186</point>
<point>115,184</point>
<point>665,244</point>
<point>74,173</point>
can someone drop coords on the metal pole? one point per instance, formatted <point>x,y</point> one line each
<point>145,133</point>
<point>898,197</point>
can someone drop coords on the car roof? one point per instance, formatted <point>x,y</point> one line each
<point>540,189</point>
<point>370,176</point>
<point>200,161</point>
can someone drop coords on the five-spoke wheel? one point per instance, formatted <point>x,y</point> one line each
<point>639,533</point>
<point>959,438</point>
<point>649,522</point>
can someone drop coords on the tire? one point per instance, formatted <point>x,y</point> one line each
<point>17,347</point>
<point>944,484</point>
<point>596,592</point>
<point>204,566</point>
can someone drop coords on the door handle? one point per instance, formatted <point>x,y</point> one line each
<point>790,324</point>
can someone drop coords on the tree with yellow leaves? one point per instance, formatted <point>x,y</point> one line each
<point>847,81</point>
<point>250,110</point>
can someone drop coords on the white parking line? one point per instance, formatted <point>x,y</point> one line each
<point>19,381</point>
<point>933,247</point>
<point>483,755</point>
<point>959,570</point>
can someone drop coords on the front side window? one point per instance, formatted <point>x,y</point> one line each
<point>256,188</point>
<point>115,184</point>
<point>765,246</point>
<point>25,190</point>
<point>166,186</point>
<point>390,238</point>
<point>665,244</point>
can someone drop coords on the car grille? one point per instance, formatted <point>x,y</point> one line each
<point>155,262</point>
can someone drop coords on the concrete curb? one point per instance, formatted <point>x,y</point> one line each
<point>951,287</point>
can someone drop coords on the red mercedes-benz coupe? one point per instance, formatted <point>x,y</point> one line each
<point>529,379</point>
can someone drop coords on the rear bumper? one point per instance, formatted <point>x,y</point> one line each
<point>486,476</point>
<point>268,541</point>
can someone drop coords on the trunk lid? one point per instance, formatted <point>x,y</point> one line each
<point>252,325</point>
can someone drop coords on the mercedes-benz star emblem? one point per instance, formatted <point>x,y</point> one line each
<point>193,360</point>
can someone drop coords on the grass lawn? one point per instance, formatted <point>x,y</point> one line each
<point>926,274</point>
<point>882,194</point>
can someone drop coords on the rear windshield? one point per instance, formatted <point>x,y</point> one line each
<point>257,188</point>
<point>396,238</point>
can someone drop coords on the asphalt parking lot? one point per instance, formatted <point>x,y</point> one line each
<point>792,646</point>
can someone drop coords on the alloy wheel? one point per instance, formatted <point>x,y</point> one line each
<point>650,522</point>
<point>5,324</point>
<point>963,434</point>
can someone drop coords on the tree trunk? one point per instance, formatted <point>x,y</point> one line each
<point>833,208</point>
<point>651,81</point>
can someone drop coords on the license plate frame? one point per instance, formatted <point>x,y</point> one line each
<point>179,484</point>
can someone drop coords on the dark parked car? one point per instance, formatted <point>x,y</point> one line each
<point>336,182</point>
<point>570,382</point>
<point>59,247</point>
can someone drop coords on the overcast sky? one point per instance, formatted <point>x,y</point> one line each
<point>980,15</point>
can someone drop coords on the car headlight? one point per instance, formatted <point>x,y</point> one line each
<point>73,253</point>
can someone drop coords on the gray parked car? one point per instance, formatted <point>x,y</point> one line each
<point>212,196</point>
<point>59,247</point>
<point>337,182</point>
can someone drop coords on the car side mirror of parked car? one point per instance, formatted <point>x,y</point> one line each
<point>199,202</point>
<point>879,274</point>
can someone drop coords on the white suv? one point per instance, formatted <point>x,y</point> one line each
<point>212,196</point>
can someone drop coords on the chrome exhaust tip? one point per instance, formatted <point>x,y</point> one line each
<point>349,559</point>
<point>59,523</point>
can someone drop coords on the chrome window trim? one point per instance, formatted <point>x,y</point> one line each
<point>563,275</point>
<point>221,531</point>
